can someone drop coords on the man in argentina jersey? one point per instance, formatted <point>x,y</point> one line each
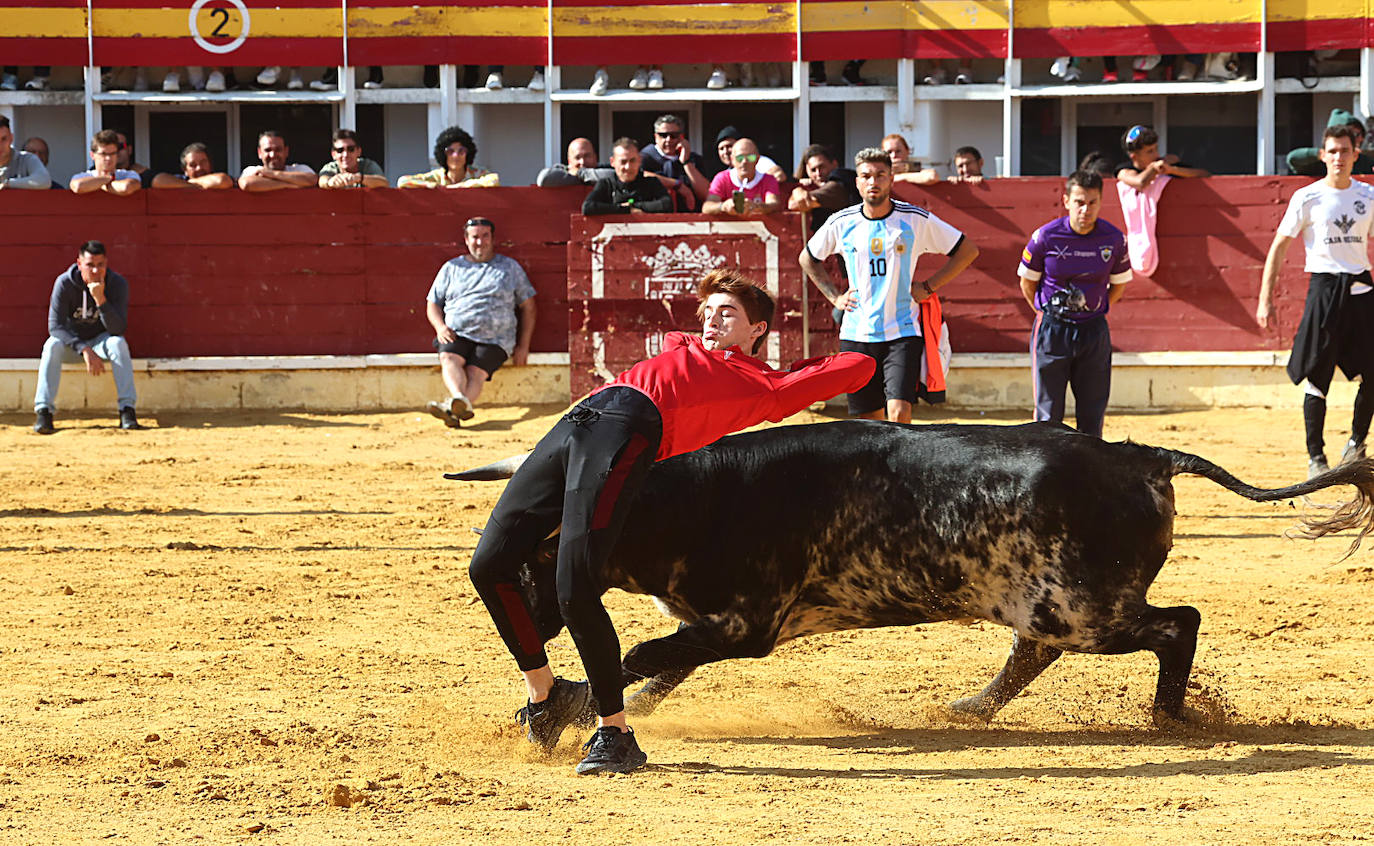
<point>1071,271</point>
<point>1334,218</point>
<point>880,240</point>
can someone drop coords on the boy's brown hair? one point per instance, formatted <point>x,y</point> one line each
<point>758,305</point>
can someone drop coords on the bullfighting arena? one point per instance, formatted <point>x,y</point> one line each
<point>258,627</point>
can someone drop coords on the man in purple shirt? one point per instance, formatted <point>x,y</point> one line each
<point>1071,272</point>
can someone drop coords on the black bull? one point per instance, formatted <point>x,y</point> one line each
<point>771,535</point>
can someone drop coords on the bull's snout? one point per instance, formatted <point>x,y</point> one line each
<point>503,469</point>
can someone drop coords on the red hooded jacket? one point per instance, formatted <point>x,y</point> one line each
<point>704,394</point>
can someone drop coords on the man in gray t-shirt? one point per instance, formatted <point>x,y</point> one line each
<point>481,306</point>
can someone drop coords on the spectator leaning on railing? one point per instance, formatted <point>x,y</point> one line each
<point>103,175</point>
<point>349,169</point>
<point>19,168</point>
<point>197,173</point>
<point>630,191</point>
<point>454,150</point>
<point>968,166</point>
<point>903,168</point>
<point>275,173</point>
<point>581,169</point>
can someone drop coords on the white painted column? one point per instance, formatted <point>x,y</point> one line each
<point>348,109</point>
<point>1264,114</point>
<point>1367,81</point>
<point>1011,121</point>
<point>906,97</point>
<point>93,120</point>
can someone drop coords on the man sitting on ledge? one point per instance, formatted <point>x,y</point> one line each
<point>472,306</point>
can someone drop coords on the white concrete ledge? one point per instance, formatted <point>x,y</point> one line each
<point>1183,358</point>
<point>278,362</point>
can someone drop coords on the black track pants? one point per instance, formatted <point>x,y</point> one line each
<point>584,475</point>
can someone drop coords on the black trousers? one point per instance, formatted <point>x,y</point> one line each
<point>584,474</point>
<point>1068,354</point>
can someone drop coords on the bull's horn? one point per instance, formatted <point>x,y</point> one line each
<point>503,469</point>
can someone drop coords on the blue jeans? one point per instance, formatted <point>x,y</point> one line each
<point>112,348</point>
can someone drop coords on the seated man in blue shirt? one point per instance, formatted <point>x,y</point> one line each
<point>1071,272</point>
<point>473,307</point>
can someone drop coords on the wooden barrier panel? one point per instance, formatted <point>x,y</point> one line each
<point>632,278</point>
<point>1213,236</point>
<point>286,273</point>
<point>346,272</point>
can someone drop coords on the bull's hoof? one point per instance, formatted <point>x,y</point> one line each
<point>642,703</point>
<point>971,709</point>
<point>1183,718</point>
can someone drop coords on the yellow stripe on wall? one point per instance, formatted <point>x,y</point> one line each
<point>171,23</point>
<point>420,21</point>
<point>1045,14</point>
<point>861,16</point>
<point>703,19</point>
<point>32,22</point>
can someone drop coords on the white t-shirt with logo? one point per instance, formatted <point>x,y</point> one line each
<point>1335,226</point>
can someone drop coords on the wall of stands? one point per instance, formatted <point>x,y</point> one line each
<point>346,272</point>
<point>586,32</point>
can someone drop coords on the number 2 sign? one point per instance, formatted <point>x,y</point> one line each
<point>221,24</point>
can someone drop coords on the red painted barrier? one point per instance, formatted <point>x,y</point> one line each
<point>286,273</point>
<point>346,272</point>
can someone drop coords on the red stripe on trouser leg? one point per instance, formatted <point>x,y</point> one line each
<point>615,482</point>
<point>519,616</point>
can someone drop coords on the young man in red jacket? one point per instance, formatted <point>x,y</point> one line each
<point>586,472</point>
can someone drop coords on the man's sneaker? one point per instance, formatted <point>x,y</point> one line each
<point>569,703</point>
<point>9,82</point>
<point>600,82</point>
<point>295,83</point>
<point>460,407</point>
<point>655,79</point>
<point>141,79</point>
<point>536,82</point>
<point>640,80</point>
<point>171,83</point>
<point>42,423</point>
<point>1060,67</point>
<point>195,75</point>
<point>268,76</point>
<point>1109,76</point>
<point>495,82</point>
<point>1316,465</point>
<point>38,83</point>
<point>611,751</point>
<point>1353,452</point>
<point>128,419</point>
<point>717,80</point>
<point>440,409</point>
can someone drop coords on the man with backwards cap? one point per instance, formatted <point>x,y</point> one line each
<point>725,141</point>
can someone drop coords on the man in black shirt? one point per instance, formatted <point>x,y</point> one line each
<point>672,156</point>
<point>823,186</point>
<point>629,191</point>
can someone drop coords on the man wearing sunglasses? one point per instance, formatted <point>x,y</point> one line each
<point>671,156</point>
<point>743,189</point>
<point>349,169</point>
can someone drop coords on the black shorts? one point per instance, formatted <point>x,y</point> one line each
<point>489,357</point>
<point>897,376</point>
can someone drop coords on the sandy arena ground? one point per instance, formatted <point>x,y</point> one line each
<point>259,628</point>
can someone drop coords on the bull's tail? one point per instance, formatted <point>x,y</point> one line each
<point>1356,513</point>
<point>503,469</point>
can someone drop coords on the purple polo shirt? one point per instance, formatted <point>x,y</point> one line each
<point>1074,271</point>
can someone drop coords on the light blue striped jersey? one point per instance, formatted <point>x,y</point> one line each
<point>880,257</point>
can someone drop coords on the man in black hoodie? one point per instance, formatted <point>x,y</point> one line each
<point>87,316</point>
<point>629,191</point>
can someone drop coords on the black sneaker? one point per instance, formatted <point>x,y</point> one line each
<point>611,751</point>
<point>128,419</point>
<point>1316,465</point>
<point>851,74</point>
<point>42,423</point>
<point>1353,452</point>
<point>569,703</point>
